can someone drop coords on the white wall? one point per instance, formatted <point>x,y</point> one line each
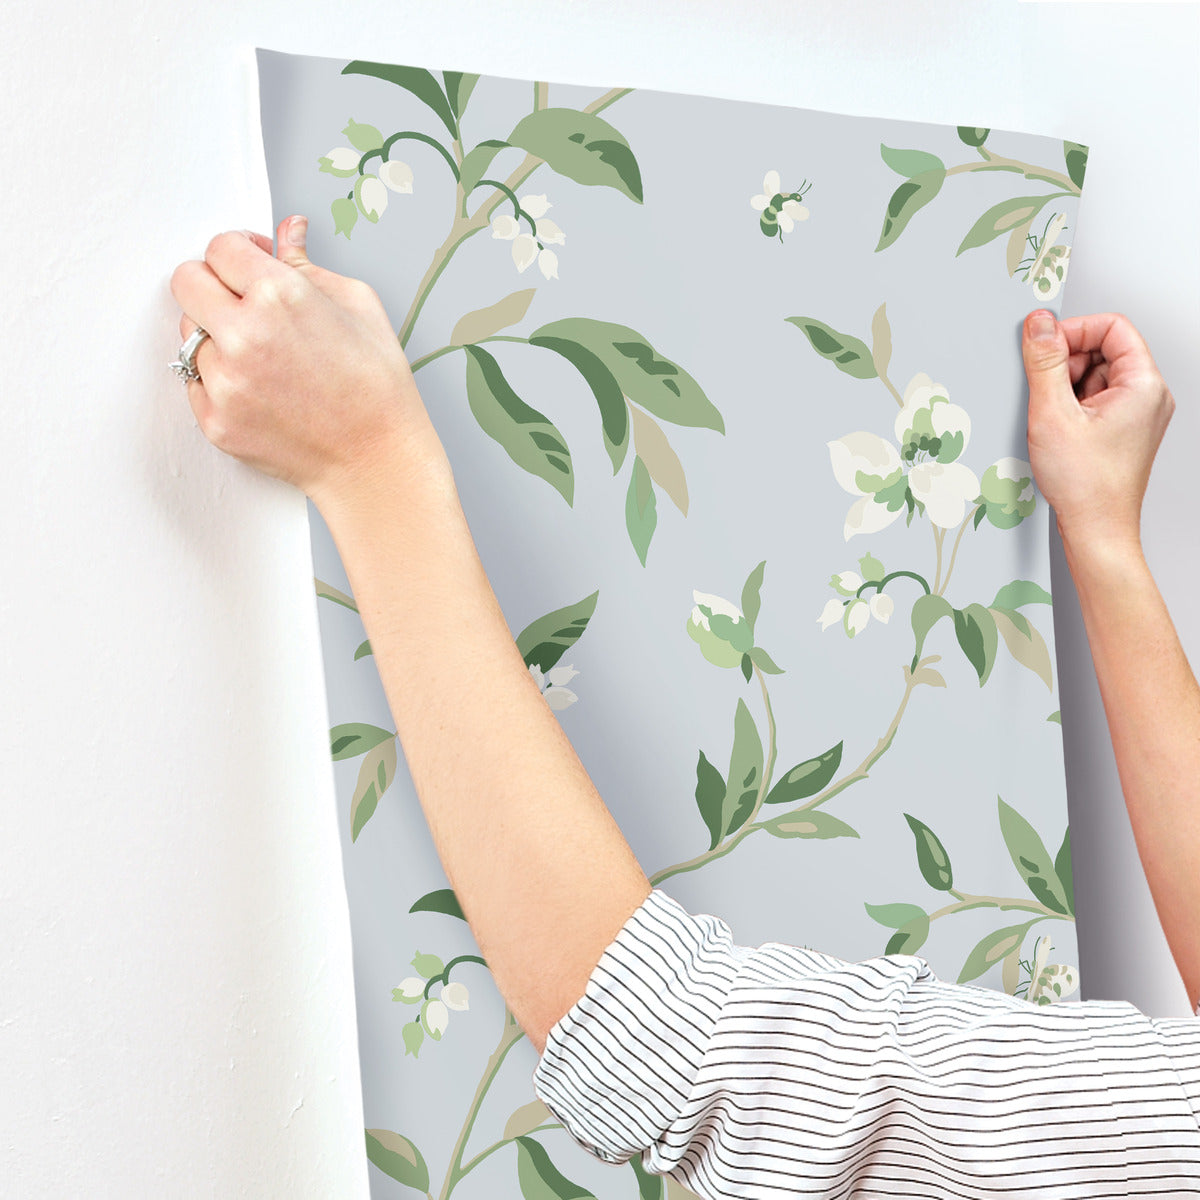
<point>176,1009</point>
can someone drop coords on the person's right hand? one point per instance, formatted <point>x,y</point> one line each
<point>1098,409</point>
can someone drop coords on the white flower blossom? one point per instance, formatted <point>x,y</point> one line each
<point>436,1019</point>
<point>397,176</point>
<point>551,685</point>
<point>857,614</point>
<point>864,464</point>
<point>882,606</point>
<point>945,489</point>
<point>831,614</point>
<point>454,996</point>
<point>410,991</point>
<point>527,248</point>
<point>342,161</point>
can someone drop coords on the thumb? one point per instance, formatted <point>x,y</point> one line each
<point>291,237</point>
<point>1047,358</point>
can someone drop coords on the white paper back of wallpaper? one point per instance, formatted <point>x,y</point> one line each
<point>176,1008</point>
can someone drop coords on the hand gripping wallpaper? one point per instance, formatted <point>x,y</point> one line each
<point>734,399</point>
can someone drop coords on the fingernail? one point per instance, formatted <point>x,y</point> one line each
<point>296,230</point>
<point>1041,324</point>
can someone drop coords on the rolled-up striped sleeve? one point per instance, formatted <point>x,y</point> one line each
<point>778,1071</point>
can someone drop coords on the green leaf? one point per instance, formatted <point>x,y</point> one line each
<point>544,641</point>
<point>529,439</point>
<point>931,856</point>
<point>747,665</point>
<point>814,824</point>
<point>397,1158</point>
<point>459,87</point>
<point>807,778</point>
<point>428,966</point>
<point>975,629</point>
<point>910,937</point>
<point>1019,593</point>
<point>641,509</point>
<point>540,1179</point>
<point>911,196</point>
<point>476,162</point>
<point>710,798</point>
<point>1076,157</point>
<point>326,591</point>
<point>991,949</point>
<point>910,162</point>
<point>443,900</point>
<point>894,916</point>
<point>657,384</point>
<point>582,146</point>
<point>650,1187</point>
<point>362,137</point>
<point>374,778</point>
<point>751,600</point>
<point>762,660</point>
<point>363,650</point>
<point>1001,218</point>
<point>927,611</point>
<point>871,569</point>
<point>349,741</point>
<point>483,322</point>
<point>416,80</point>
<point>653,448</point>
<point>846,353</point>
<point>973,135</point>
<point>526,1118</point>
<point>1024,643</point>
<point>1055,716</point>
<point>614,412</point>
<point>1063,869</point>
<point>1032,860</point>
<point>345,215</point>
<point>745,771</point>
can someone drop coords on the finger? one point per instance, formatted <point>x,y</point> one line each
<point>1112,337</point>
<point>1047,357</point>
<point>198,398</point>
<point>238,259</point>
<point>201,295</point>
<point>291,238</point>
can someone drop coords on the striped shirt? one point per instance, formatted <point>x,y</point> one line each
<point>778,1071</point>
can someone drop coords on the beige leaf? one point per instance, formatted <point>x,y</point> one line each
<point>661,461</point>
<point>528,1116</point>
<point>676,1191</point>
<point>327,591</point>
<point>881,340</point>
<point>483,322</point>
<point>1016,246</point>
<point>374,778</point>
<point>930,676</point>
<point>1011,971</point>
<point>1030,651</point>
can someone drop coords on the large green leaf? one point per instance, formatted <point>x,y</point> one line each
<point>931,856</point>
<point>349,741</point>
<point>1031,858</point>
<point>710,798</point>
<point>476,162</point>
<point>529,438</point>
<point>374,778</point>
<point>847,353</point>
<point>911,196</point>
<point>992,948</point>
<point>1064,871</point>
<point>614,412</point>
<point>641,509</point>
<point>443,900</point>
<point>910,162</point>
<point>540,1179</point>
<point>544,641</point>
<point>894,916</point>
<point>1019,593</point>
<point>657,384</point>
<point>1001,218</point>
<point>416,80</point>
<point>814,824</point>
<point>459,87</point>
<point>582,146</point>
<point>751,600</point>
<point>806,778</point>
<point>745,771</point>
<point>397,1158</point>
<point>911,936</point>
<point>975,629</point>
<point>1076,157</point>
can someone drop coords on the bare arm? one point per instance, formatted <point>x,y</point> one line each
<point>303,378</point>
<point>1098,409</point>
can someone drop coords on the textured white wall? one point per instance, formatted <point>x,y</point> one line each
<point>176,1009</point>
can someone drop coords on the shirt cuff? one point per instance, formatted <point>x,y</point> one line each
<point>618,1067</point>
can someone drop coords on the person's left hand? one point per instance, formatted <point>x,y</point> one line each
<point>302,375</point>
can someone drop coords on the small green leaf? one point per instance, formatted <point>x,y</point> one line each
<point>345,215</point>
<point>807,778</point>
<point>1019,593</point>
<point>540,1179</point>
<point>641,515</point>
<point>544,641</point>
<point>362,137</point>
<point>326,591</point>
<point>745,771</point>
<point>814,824</point>
<point>910,162</point>
<point>349,741</point>
<point>871,568</point>
<point>1001,218</point>
<point>1076,157</point>
<point>374,778</point>
<point>992,948</point>
<point>428,966</point>
<point>476,162</point>
<point>1055,716</point>
<point>975,629</point>
<point>931,856</point>
<point>909,198</point>
<point>763,661</point>
<point>483,322</point>
<point>847,353</point>
<point>582,146</point>
<point>397,1158</point>
<point>927,611</point>
<point>459,87</point>
<point>894,916</point>
<point>973,135</point>
<point>1063,869</point>
<point>747,666</point>
<point>910,937</point>
<point>416,80</point>
<point>1030,857</point>
<point>443,900</point>
<point>363,650</point>
<point>710,798</point>
<point>751,600</point>
<point>527,436</point>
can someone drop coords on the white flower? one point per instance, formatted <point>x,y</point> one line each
<point>524,250</point>
<point>547,262</point>
<point>535,206</point>
<point>341,160</point>
<point>410,990</point>
<point>551,685</point>
<point>945,489</point>
<point>549,234</point>
<point>505,226</point>
<point>528,248</point>
<point>717,605</point>
<point>454,995</point>
<point>882,606</point>
<point>855,615</point>
<point>846,583</point>
<point>864,464</point>
<point>929,422</point>
<point>436,1019</point>
<point>372,196</point>
<point>397,176</point>
<point>858,613</point>
<point>770,189</point>
<point>831,614</point>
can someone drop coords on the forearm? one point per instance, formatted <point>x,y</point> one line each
<point>541,870</point>
<point>1152,703</point>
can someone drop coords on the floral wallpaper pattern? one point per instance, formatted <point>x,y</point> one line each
<point>801,330</point>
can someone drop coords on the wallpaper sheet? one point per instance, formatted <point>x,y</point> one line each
<point>734,399</point>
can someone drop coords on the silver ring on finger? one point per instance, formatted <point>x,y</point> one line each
<point>185,365</point>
